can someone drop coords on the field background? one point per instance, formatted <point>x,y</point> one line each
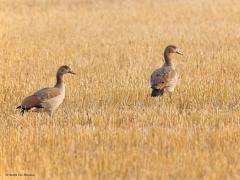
<point>108,126</point>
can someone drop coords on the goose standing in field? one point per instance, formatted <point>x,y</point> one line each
<point>47,99</point>
<point>165,78</point>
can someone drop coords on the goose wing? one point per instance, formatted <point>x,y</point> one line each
<point>38,98</point>
<point>47,93</point>
<point>161,77</point>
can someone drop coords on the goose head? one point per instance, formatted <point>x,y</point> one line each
<point>173,49</point>
<point>65,70</point>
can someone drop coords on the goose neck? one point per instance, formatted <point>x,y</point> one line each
<point>59,83</point>
<point>167,58</point>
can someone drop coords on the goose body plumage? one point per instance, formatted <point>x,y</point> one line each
<point>47,99</point>
<point>165,78</point>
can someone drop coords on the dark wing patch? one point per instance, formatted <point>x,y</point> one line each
<point>38,98</point>
<point>29,103</point>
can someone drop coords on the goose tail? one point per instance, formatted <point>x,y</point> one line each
<point>157,92</point>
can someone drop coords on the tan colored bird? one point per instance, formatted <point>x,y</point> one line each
<point>47,99</point>
<point>165,78</point>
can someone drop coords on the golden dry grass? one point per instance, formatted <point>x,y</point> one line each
<point>108,127</point>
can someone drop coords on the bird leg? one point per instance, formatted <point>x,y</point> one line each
<point>170,96</point>
<point>50,113</point>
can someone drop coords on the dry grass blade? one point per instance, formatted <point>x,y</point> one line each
<point>108,126</point>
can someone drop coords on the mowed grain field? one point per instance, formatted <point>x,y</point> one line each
<point>108,126</point>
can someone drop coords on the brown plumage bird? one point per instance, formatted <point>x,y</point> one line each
<point>47,99</point>
<point>165,78</point>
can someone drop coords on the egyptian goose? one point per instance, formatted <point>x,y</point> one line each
<point>47,99</point>
<point>165,77</point>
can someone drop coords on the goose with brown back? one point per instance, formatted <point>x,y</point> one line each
<point>47,99</point>
<point>165,78</point>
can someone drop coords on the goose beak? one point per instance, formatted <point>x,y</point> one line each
<point>179,52</point>
<point>71,72</point>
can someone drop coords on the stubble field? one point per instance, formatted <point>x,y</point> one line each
<point>108,126</point>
